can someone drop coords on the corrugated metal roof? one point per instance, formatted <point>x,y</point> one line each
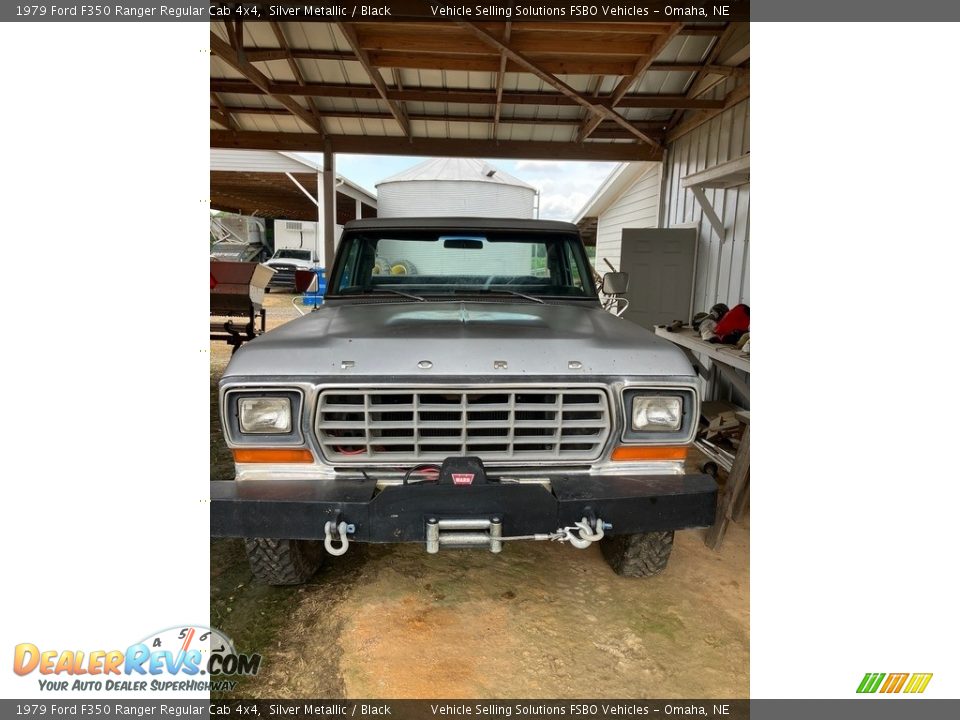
<point>443,84</point>
<point>456,169</point>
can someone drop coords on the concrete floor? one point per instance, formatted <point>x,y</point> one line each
<point>540,620</point>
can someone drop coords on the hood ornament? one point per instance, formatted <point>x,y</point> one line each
<point>424,364</point>
<point>499,364</point>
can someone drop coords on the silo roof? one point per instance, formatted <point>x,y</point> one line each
<point>456,170</point>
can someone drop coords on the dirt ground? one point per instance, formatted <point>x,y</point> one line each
<point>540,620</point>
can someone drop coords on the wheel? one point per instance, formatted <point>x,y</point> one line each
<point>640,555</point>
<point>283,562</point>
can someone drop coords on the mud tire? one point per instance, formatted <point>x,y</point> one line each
<point>283,562</point>
<point>640,555</point>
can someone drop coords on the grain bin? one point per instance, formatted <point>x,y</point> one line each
<point>455,187</point>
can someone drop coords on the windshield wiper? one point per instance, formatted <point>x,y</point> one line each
<point>396,292</point>
<point>517,294</point>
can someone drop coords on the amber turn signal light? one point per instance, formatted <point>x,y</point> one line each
<point>626,452</point>
<point>272,455</point>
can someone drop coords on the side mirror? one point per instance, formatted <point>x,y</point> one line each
<point>616,283</point>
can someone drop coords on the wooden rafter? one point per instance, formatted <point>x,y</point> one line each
<point>228,55</point>
<point>396,109</point>
<point>737,95</point>
<point>709,62</point>
<point>608,129</point>
<point>220,114</point>
<point>500,74</point>
<point>455,95</point>
<point>385,145</point>
<point>418,60</point>
<point>627,81</point>
<point>564,89</point>
<point>294,67</point>
<point>398,85</point>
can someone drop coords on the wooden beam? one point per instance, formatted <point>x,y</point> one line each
<point>225,119</point>
<point>288,56</point>
<point>702,30</point>
<point>722,175</point>
<point>737,95</point>
<point>627,81</point>
<point>392,145</point>
<point>606,125</point>
<point>395,108</point>
<point>692,67</point>
<point>715,222</point>
<point>556,64</point>
<point>227,55</point>
<point>267,54</point>
<point>419,60</point>
<point>736,484</point>
<point>454,96</point>
<point>220,119</point>
<point>564,89</point>
<point>500,74</point>
<point>295,68</point>
<point>398,38</point>
<point>693,91</point>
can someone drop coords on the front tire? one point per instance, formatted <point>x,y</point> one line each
<point>640,555</point>
<point>283,562</point>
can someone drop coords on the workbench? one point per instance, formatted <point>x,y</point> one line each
<point>727,360</point>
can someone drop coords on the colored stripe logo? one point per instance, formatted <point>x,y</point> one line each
<point>894,683</point>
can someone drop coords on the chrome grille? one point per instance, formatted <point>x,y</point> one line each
<point>429,424</point>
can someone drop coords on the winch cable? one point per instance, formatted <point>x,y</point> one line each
<point>580,534</point>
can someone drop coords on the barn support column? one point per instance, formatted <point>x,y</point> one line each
<point>329,205</point>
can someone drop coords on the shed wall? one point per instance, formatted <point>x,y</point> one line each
<point>637,207</point>
<point>723,264</point>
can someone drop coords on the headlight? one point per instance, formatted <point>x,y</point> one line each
<point>657,413</point>
<point>270,415</point>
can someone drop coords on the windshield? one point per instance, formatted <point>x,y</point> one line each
<point>292,254</point>
<point>442,262</point>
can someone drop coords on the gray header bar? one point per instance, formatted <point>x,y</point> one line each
<point>872,708</point>
<point>688,11</point>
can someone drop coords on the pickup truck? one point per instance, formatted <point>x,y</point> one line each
<point>481,397</point>
<point>285,262</point>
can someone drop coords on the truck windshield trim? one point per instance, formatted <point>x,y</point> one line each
<point>445,263</point>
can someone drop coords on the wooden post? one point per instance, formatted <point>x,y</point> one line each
<point>735,487</point>
<point>329,205</point>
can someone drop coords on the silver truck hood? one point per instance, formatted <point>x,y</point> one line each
<point>458,338</point>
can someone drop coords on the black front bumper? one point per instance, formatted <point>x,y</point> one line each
<point>300,509</point>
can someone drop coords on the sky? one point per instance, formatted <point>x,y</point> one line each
<point>564,185</point>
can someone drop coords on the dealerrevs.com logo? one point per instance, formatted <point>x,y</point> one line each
<point>182,659</point>
<point>910,683</point>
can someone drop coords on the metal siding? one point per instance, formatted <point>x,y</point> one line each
<point>723,264</point>
<point>256,161</point>
<point>637,207</point>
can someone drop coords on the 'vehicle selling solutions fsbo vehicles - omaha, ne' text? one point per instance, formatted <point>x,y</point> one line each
<point>483,396</point>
